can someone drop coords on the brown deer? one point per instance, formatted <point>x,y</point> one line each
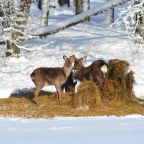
<point>95,72</point>
<point>52,76</point>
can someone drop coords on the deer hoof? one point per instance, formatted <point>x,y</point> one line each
<point>34,100</point>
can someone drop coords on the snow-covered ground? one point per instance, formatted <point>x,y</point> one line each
<point>88,130</point>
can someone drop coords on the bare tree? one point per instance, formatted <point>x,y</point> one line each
<point>45,14</point>
<point>88,8</point>
<point>40,4</point>
<point>110,17</point>
<point>79,6</point>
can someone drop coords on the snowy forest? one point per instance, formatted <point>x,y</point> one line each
<point>15,15</point>
<point>71,71</point>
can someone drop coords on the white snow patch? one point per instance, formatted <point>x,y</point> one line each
<point>105,130</point>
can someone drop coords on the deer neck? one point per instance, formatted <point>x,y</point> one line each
<point>79,74</point>
<point>67,70</point>
<point>86,70</point>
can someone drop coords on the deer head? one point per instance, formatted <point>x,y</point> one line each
<point>78,63</point>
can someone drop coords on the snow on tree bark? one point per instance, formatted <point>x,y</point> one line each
<point>14,21</point>
<point>45,14</point>
<point>133,18</point>
<point>19,26</point>
<point>140,20</point>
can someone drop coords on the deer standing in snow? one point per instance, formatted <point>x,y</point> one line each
<point>52,76</point>
<point>95,72</point>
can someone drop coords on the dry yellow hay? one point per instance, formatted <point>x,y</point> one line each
<point>88,96</point>
<point>119,83</point>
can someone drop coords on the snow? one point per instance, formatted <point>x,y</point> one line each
<point>6,92</point>
<point>88,130</point>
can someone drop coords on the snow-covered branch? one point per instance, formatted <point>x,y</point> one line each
<point>76,19</point>
<point>2,42</point>
<point>133,17</point>
<point>13,18</point>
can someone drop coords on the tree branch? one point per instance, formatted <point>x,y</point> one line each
<point>2,42</point>
<point>44,31</point>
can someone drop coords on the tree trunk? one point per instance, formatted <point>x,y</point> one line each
<point>110,17</point>
<point>1,10</point>
<point>79,6</point>
<point>45,13</point>
<point>88,8</point>
<point>19,27</point>
<point>40,4</point>
<point>64,2</point>
<point>139,18</point>
<point>140,28</point>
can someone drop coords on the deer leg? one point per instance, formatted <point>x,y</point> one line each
<point>101,82</point>
<point>58,88</point>
<point>37,90</point>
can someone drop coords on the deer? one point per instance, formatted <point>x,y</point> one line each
<point>95,72</point>
<point>56,76</point>
<point>69,85</point>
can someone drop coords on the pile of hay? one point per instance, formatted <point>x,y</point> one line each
<point>88,96</point>
<point>119,83</point>
<point>118,86</point>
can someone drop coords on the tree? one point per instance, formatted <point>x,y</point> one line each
<point>139,18</point>
<point>64,2</point>
<point>110,17</point>
<point>45,14</point>
<point>88,8</point>
<point>16,19</point>
<point>40,4</point>
<point>133,18</point>
<point>79,6</point>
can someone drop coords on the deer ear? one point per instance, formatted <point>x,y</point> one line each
<point>73,57</point>
<point>64,57</point>
<point>84,58</point>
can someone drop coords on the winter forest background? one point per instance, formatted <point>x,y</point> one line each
<point>14,16</point>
